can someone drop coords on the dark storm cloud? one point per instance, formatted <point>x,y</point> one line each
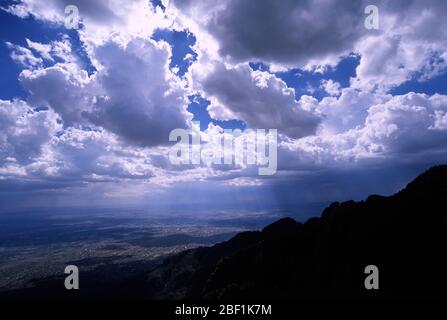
<point>289,32</point>
<point>133,95</point>
<point>258,98</point>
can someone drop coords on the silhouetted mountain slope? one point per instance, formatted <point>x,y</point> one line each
<point>404,235</point>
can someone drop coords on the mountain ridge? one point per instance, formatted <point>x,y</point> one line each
<point>324,256</point>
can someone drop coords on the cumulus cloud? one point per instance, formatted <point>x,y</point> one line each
<point>404,128</point>
<point>35,146</point>
<point>23,132</point>
<point>258,98</point>
<point>42,49</point>
<point>133,94</point>
<point>97,156</point>
<point>291,33</point>
<point>347,111</point>
<point>331,87</point>
<point>413,38</point>
<point>35,150</point>
<point>24,56</point>
<point>113,125</point>
<point>313,34</point>
<point>102,127</point>
<point>99,20</point>
<point>142,101</point>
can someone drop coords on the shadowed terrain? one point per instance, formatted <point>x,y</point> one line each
<point>404,235</point>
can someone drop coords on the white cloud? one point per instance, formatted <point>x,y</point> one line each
<point>312,34</point>
<point>141,101</point>
<point>43,49</point>
<point>116,122</point>
<point>133,94</point>
<point>101,20</point>
<point>344,112</point>
<point>35,147</point>
<point>403,128</point>
<point>291,33</point>
<point>411,35</point>
<point>258,98</point>
<point>23,132</point>
<point>24,56</point>
<point>333,88</point>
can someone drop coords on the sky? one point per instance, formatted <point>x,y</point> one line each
<point>86,113</point>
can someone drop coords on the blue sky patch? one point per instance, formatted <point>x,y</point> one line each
<point>309,83</point>
<point>181,42</point>
<point>198,107</point>
<point>437,84</point>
